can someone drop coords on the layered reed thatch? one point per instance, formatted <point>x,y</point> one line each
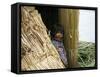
<point>37,50</point>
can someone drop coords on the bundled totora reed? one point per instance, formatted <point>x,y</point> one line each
<point>37,50</point>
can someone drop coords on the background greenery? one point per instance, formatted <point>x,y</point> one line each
<point>86,54</point>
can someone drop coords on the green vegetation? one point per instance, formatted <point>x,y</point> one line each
<point>86,54</point>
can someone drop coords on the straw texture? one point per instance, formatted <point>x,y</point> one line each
<point>37,50</point>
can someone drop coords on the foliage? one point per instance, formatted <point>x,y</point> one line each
<point>86,54</point>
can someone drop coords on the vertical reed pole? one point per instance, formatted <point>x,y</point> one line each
<point>69,18</point>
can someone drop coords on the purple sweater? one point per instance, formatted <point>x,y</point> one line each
<point>61,50</point>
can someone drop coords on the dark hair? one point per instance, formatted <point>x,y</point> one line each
<point>56,28</point>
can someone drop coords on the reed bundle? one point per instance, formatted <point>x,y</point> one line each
<point>37,50</point>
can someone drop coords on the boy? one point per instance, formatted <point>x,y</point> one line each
<point>57,39</point>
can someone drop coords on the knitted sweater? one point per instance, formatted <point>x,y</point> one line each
<point>61,50</point>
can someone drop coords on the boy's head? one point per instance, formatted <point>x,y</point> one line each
<point>57,31</point>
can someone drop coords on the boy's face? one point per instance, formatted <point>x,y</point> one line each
<point>59,35</point>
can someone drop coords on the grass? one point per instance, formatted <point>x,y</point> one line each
<point>86,54</point>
